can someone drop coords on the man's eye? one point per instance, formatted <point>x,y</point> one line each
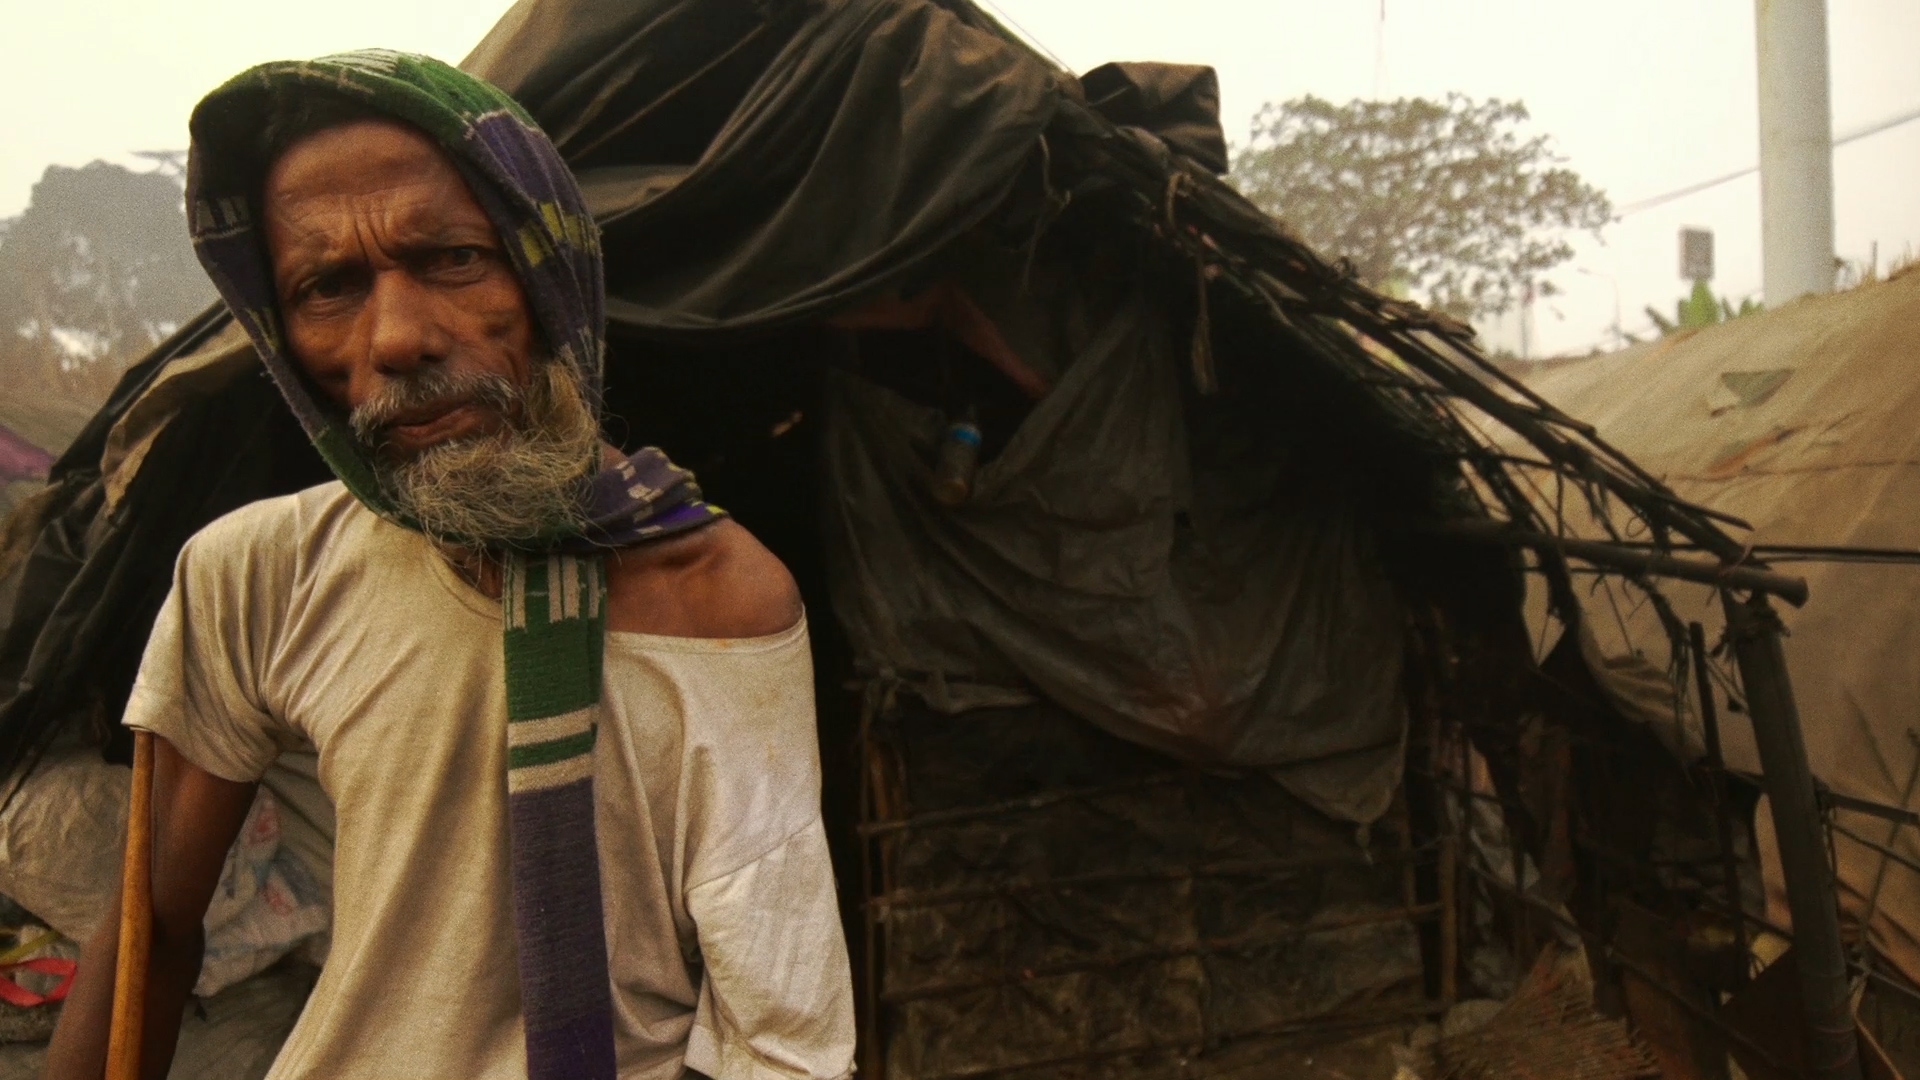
<point>459,258</point>
<point>333,285</point>
<point>328,287</point>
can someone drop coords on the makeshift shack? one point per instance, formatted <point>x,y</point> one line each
<point>1195,730</point>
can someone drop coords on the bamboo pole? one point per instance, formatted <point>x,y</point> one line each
<point>1717,763</point>
<point>1634,560</point>
<point>1800,832</point>
<point>136,921</point>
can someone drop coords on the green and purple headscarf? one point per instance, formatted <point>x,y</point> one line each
<point>554,593</point>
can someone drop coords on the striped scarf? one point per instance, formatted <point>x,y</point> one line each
<point>554,591</point>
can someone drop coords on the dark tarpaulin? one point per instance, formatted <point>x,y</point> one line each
<point>87,580</point>
<point>1178,102</point>
<point>1167,566</point>
<point>750,177</point>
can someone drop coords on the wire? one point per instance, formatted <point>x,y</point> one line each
<point>1855,135</point>
<point>1027,35</point>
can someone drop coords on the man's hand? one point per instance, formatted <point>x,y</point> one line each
<point>196,816</point>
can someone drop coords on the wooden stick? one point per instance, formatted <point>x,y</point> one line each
<point>1449,921</point>
<point>136,921</point>
<point>1637,560</point>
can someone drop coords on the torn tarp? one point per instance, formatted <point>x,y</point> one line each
<point>1152,561</point>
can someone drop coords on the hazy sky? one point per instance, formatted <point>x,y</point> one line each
<point>1641,96</point>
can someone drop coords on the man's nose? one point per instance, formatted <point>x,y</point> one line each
<point>403,335</point>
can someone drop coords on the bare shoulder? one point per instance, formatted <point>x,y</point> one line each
<point>716,582</point>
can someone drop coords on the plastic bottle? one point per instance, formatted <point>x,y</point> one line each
<point>959,459</point>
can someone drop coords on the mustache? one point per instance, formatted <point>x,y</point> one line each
<point>519,486</point>
<point>431,390</point>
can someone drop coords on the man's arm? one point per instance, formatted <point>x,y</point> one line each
<point>196,816</point>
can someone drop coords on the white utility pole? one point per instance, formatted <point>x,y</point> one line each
<point>1796,149</point>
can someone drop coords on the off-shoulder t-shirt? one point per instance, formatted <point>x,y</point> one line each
<point>309,620</point>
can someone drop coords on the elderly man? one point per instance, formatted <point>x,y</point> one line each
<point>563,706</point>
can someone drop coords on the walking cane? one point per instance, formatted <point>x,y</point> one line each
<point>136,921</point>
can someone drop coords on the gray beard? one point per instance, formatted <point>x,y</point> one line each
<point>521,483</point>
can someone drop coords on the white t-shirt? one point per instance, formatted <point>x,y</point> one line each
<point>307,619</point>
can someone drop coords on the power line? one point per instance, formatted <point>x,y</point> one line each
<point>1380,52</point>
<point>1681,193</point>
<point>1025,35</point>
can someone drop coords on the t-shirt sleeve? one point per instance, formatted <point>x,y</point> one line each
<point>777,1000</point>
<point>199,685</point>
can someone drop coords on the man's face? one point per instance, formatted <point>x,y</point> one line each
<point>392,279</point>
<point>401,307</point>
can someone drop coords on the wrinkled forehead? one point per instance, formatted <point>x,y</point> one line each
<point>329,196</point>
<point>316,125</point>
<point>366,159</point>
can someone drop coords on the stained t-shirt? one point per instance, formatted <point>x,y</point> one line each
<point>307,619</point>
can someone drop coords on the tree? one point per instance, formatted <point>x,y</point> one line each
<point>1441,199</point>
<point>96,271</point>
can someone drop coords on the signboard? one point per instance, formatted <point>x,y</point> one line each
<point>1696,254</point>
